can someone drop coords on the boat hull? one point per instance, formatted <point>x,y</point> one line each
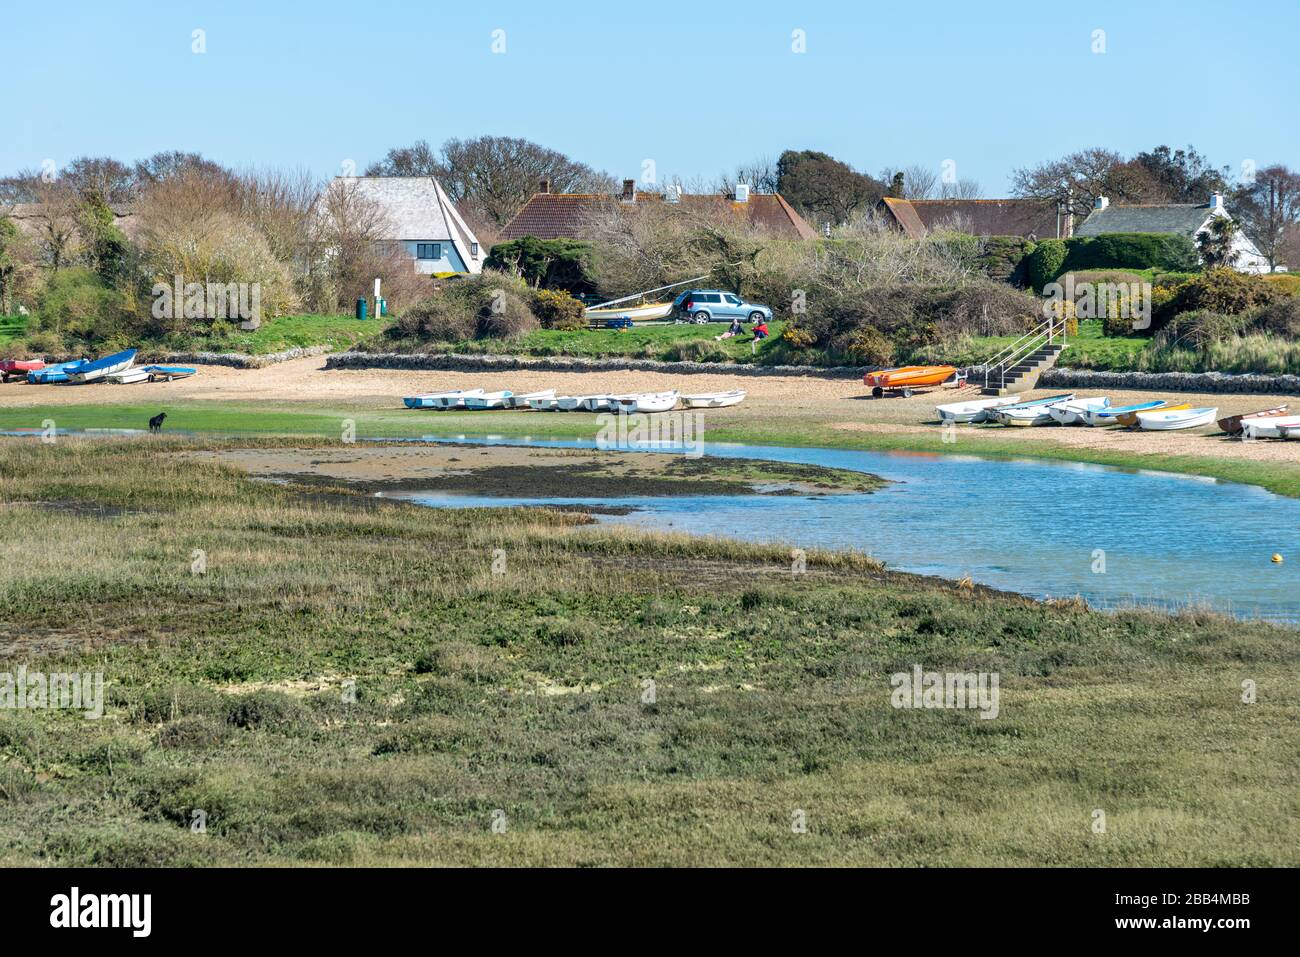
<point>1270,427</point>
<point>1169,420</point>
<point>647,313</point>
<point>1071,413</point>
<point>714,400</point>
<point>907,378</point>
<point>91,371</point>
<point>980,410</point>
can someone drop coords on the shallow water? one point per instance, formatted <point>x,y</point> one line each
<point>1048,529</point>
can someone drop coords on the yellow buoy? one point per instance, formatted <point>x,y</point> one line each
<point>1277,559</point>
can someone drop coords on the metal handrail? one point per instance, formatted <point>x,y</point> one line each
<point>1015,352</point>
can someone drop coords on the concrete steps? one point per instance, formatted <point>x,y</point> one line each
<point>1023,376</point>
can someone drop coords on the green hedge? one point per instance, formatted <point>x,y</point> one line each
<point>1044,264</point>
<point>1131,251</point>
<point>546,263</point>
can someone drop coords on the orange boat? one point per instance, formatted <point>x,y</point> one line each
<point>907,378</point>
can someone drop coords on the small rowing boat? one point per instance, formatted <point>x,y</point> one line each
<point>18,368</point>
<point>906,378</point>
<point>646,402</point>
<point>714,400</point>
<point>1071,413</point>
<point>571,403</point>
<point>1121,414</point>
<point>1268,427</point>
<point>978,410</point>
<point>431,400</point>
<point>524,400</point>
<point>102,367</point>
<point>487,400</point>
<point>1033,412</point>
<point>1232,424</point>
<point>1166,420</point>
<point>167,373</point>
<point>128,376</point>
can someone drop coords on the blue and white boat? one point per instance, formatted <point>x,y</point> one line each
<point>59,372</point>
<point>439,400</point>
<point>102,367</point>
<point>1033,412</point>
<point>1071,413</point>
<point>1107,415</point>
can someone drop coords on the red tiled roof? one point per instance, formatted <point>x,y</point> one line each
<point>567,215</point>
<point>980,217</point>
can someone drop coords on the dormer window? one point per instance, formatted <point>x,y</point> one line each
<point>473,250</point>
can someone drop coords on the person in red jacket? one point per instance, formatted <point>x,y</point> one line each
<point>760,329</point>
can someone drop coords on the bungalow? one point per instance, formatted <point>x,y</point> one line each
<point>1030,218</point>
<point>1184,219</point>
<point>569,215</point>
<point>423,220</point>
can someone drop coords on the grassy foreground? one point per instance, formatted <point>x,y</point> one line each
<point>523,697</point>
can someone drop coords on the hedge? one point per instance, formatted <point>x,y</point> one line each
<point>1131,251</point>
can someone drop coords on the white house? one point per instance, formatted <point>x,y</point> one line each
<point>1184,219</point>
<point>424,220</point>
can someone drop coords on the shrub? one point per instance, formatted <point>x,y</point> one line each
<point>75,304</point>
<point>1200,327</point>
<point>1045,262</point>
<point>1005,258</point>
<point>264,709</point>
<point>556,309</point>
<point>1285,283</point>
<point>489,305</point>
<point>1279,318</point>
<point>869,347</point>
<point>547,263</point>
<point>1222,290</point>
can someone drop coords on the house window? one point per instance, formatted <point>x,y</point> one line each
<point>428,250</point>
<point>473,250</point>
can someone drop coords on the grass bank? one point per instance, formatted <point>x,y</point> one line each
<point>348,682</point>
<point>797,430</point>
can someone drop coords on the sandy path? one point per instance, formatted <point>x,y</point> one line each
<point>834,403</point>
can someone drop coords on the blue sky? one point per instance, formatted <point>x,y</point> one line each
<point>695,86</point>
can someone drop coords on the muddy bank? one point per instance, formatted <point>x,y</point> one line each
<point>512,472</point>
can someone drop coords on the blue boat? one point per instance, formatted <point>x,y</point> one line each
<point>56,373</point>
<point>1125,409</point>
<point>102,367</point>
<point>167,373</point>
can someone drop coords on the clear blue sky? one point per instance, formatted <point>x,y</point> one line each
<point>695,86</point>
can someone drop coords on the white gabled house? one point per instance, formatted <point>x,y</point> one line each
<point>1185,219</point>
<point>425,222</point>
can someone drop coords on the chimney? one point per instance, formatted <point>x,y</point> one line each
<point>1216,201</point>
<point>742,192</point>
<point>1102,202</point>
<point>629,191</point>
<point>544,186</point>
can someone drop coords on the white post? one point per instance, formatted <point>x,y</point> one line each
<point>377,297</point>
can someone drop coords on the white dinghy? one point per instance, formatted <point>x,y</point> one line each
<point>128,376</point>
<point>714,400</point>
<point>488,400</point>
<point>523,400</point>
<point>1160,420</point>
<point>1268,428</point>
<point>977,410</point>
<point>1072,412</point>
<point>647,402</point>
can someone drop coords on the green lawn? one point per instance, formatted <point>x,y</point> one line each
<point>1090,349</point>
<point>664,342</point>
<point>11,328</point>
<point>288,332</point>
<point>350,681</point>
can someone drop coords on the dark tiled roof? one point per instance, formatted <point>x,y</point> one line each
<point>980,217</point>
<point>1184,219</point>
<point>568,215</point>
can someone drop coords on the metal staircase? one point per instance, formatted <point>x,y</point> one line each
<point>1017,367</point>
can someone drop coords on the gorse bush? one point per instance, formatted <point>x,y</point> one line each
<point>1222,290</point>
<point>556,309</point>
<point>489,305</point>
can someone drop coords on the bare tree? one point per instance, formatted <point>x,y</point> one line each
<point>1269,209</point>
<point>53,214</point>
<point>1076,180</point>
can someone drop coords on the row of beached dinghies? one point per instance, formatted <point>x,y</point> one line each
<point>548,401</point>
<point>118,368</point>
<point>1156,416</point>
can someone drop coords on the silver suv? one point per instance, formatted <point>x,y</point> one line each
<point>717,305</point>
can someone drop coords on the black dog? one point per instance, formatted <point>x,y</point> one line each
<point>155,424</point>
